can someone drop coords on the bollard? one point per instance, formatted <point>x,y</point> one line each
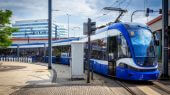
<point>28,60</point>
<point>21,59</point>
<point>17,59</point>
<point>31,60</point>
<point>25,60</point>
<point>10,59</point>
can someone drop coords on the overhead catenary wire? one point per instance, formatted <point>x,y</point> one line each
<point>114,4</point>
<point>117,3</point>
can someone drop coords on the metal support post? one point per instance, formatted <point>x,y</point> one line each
<point>133,13</point>
<point>49,34</point>
<point>18,51</point>
<point>164,39</point>
<point>89,52</point>
<point>56,32</point>
<point>68,21</point>
<point>44,52</point>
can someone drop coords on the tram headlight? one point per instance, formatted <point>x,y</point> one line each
<point>123,65</point>
<point>140,63</point>
<point>155,63</point>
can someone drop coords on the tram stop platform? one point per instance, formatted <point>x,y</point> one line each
<point>35,79</point>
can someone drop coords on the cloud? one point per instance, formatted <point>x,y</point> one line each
<point>24,9</point>
<point>79,10</point>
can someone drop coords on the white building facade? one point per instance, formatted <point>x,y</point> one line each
<point>35,31</point>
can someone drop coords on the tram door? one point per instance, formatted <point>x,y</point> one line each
<point>112,45</point>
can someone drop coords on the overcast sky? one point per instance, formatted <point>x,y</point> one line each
<point>79,10</point>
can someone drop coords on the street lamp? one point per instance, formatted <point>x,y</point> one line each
<point>68,21</point>
<point>74,29</point>
<point>68,15</point>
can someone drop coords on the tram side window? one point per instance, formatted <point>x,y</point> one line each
<point>123,49</point>
<point>112,48</point>
<point>99,49</point>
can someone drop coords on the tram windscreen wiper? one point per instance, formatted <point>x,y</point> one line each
<point>145,56</point>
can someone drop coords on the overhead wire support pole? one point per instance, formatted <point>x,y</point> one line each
<point>165,31</point>
<point>49,34</point>
<point>133,13</point>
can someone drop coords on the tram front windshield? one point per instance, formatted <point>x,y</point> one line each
<point>142,43</point>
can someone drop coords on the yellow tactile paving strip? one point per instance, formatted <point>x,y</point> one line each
<point>148,90</point>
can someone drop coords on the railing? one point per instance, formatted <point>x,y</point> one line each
<point>16,59</point>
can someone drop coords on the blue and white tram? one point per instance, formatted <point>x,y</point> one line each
<point>126,51</point>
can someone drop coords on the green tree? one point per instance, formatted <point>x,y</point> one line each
<point>5,29</point>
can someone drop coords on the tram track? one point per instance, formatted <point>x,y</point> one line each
<point>148,88</point>
<point>161,87</point>
<point>136,87</point>
<point>122,84</point>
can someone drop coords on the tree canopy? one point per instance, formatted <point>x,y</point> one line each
<point>5,29</point>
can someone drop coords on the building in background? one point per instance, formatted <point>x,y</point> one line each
<point>35,31</point>
<point>156,26</point>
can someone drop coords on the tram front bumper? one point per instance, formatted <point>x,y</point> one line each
<point>128,74</point>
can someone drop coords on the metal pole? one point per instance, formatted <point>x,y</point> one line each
<point>68,25</point>
<point>91,71</point>
<point>56,32</point>
<point>44,52</point>
<point>89,52</point>
<point>28,39</point>
<point>49,34</point>
<point>17,50</point>
<point>134,14</point>
<point>164,39</point>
